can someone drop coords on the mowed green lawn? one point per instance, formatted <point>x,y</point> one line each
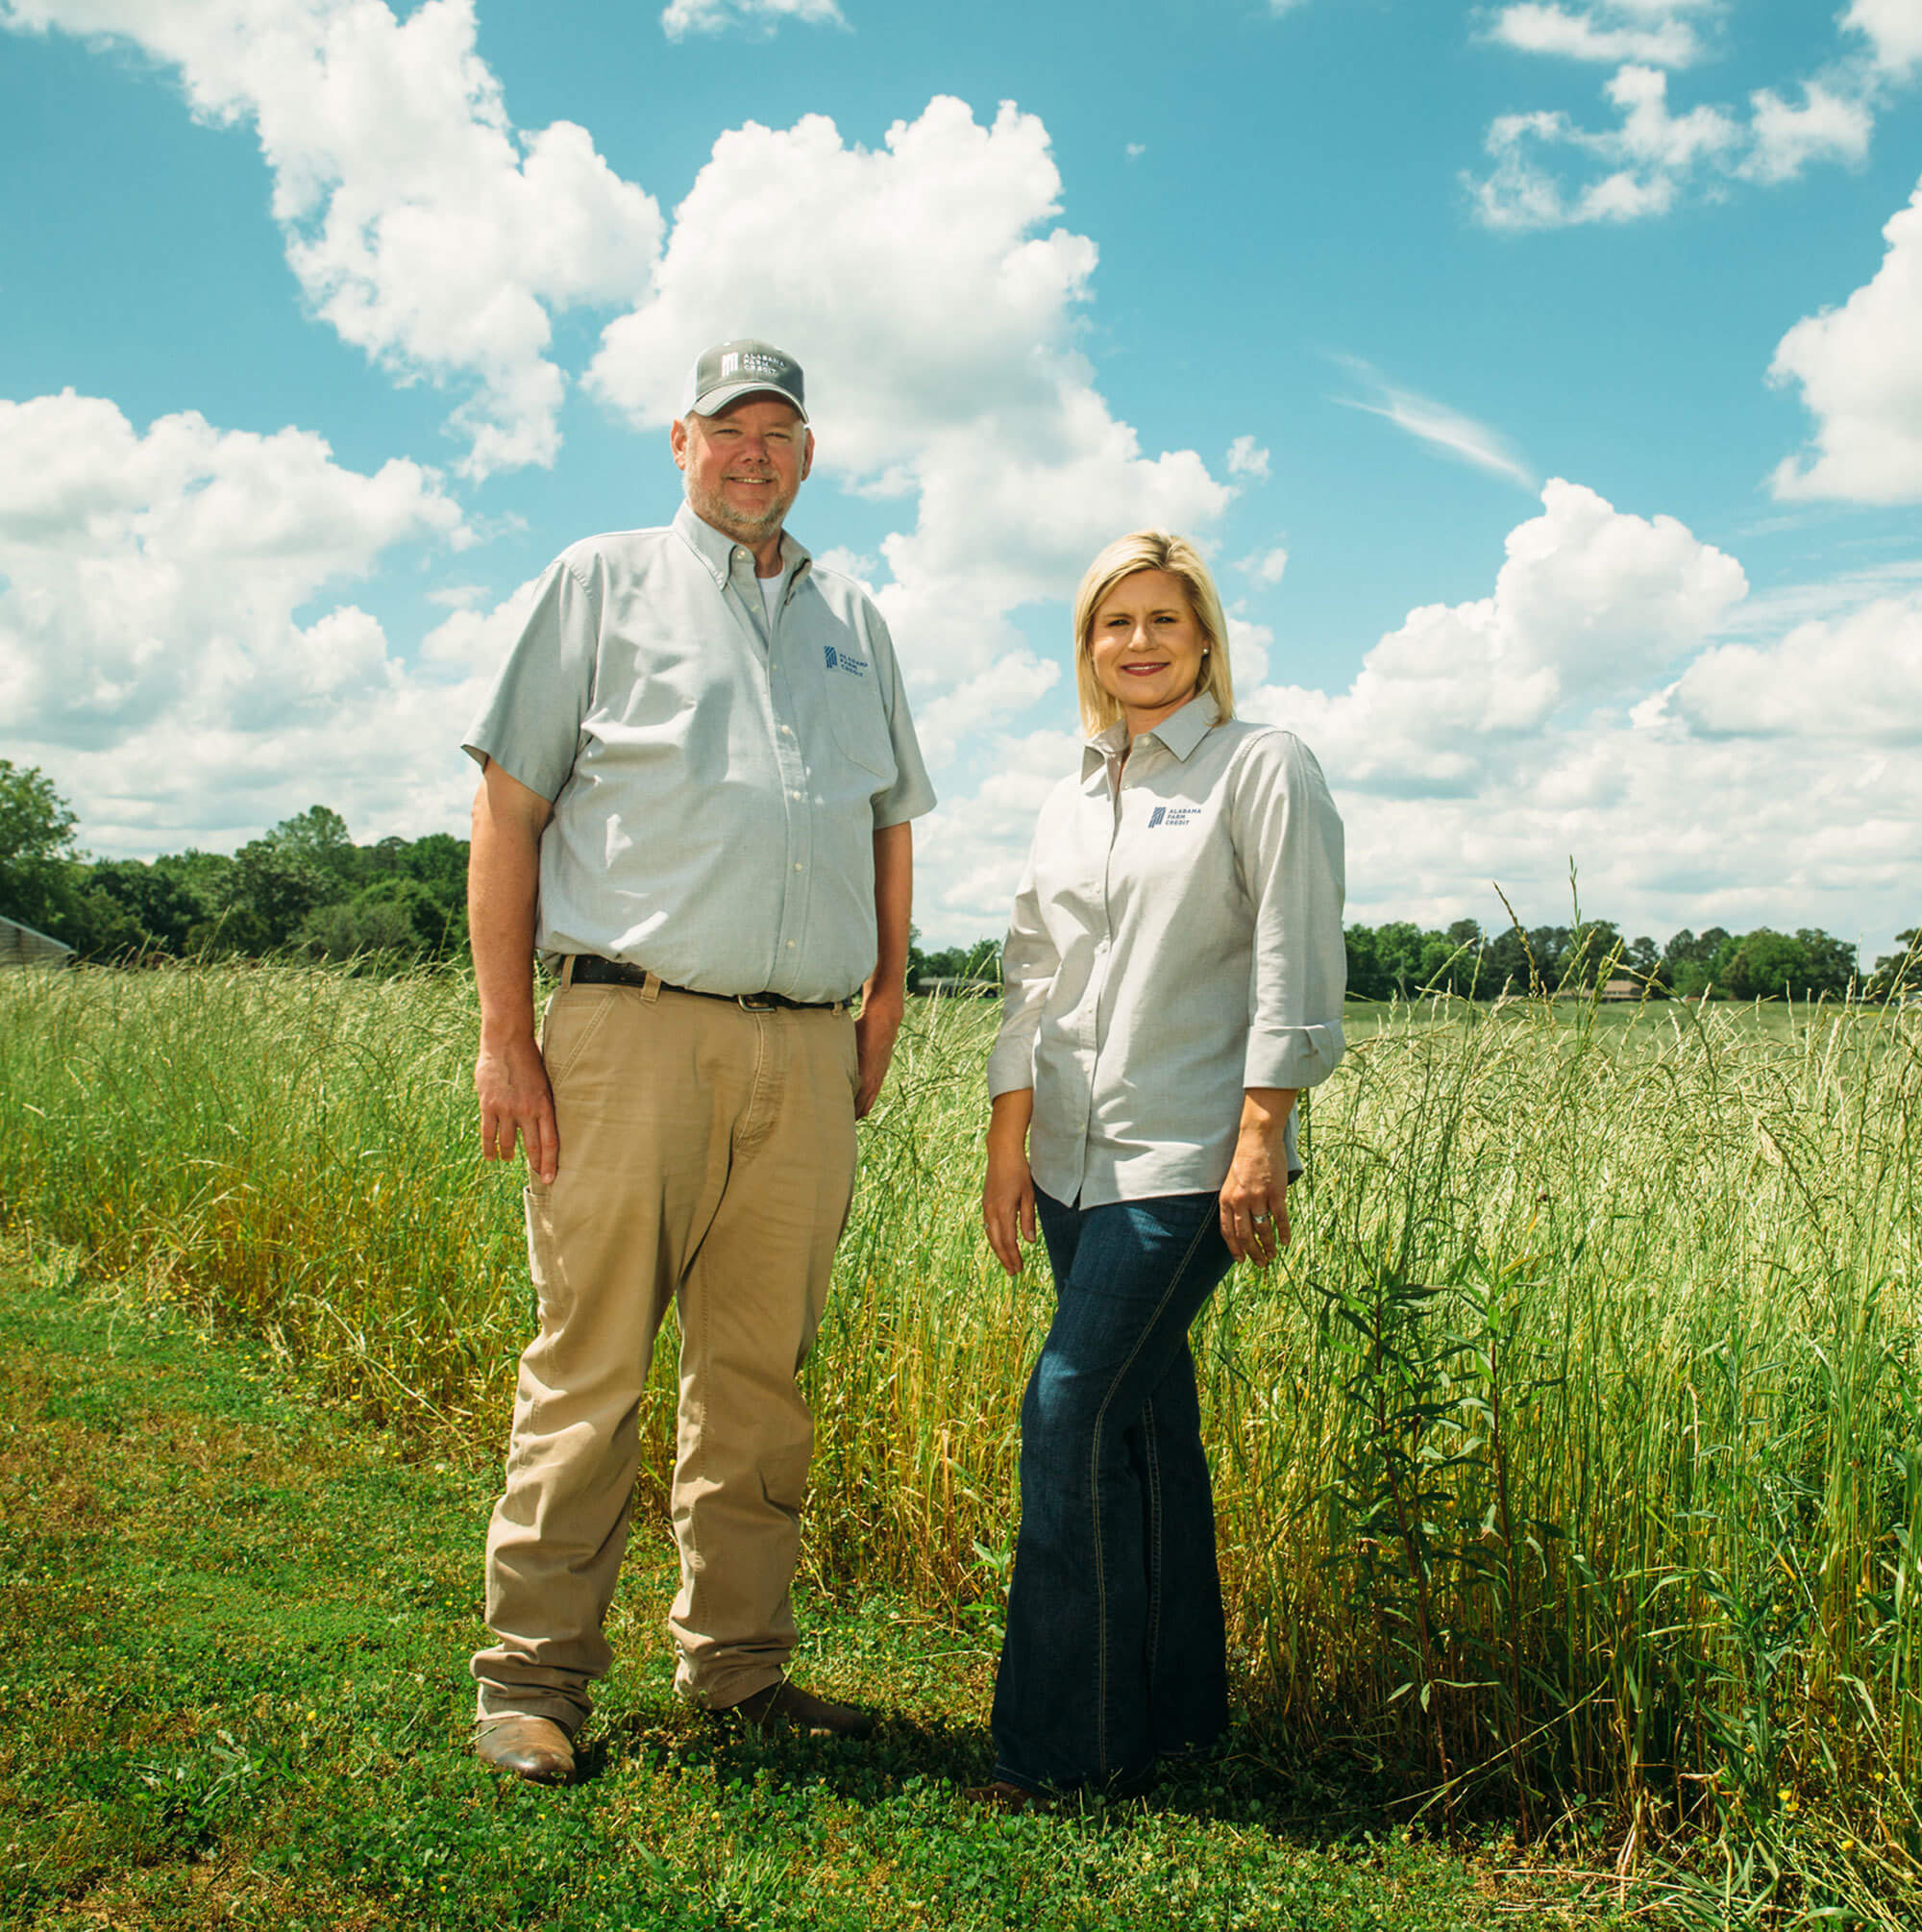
<point>234,1629</point>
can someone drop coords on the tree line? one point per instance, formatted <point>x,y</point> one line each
<point>1401,960</point>
<point>305,889</point>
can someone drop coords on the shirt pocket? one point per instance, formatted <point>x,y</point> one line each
<point>859,721</point>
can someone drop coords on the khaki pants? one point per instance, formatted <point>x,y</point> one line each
<point>706,1153</point>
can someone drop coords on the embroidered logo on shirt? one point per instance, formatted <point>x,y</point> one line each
<point>1171,815</point>
<point>841,661</point>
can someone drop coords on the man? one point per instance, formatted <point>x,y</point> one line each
<point>697,770</point>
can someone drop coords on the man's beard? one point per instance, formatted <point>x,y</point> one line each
<point>730,521</point>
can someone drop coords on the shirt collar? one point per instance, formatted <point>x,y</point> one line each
<point>717,550</point>
<point>1180,733</point>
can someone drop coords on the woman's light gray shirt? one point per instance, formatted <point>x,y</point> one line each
<point>717,778</point>
<point>1176,939</point>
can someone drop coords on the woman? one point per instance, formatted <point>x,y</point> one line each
<point>1174,974</point>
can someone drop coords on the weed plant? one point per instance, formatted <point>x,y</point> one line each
<point>1569,1461</point>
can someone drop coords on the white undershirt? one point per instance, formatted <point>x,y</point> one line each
<point>770,590</point>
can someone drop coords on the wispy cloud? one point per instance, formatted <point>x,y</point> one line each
<point>1434,423</point>
<point>682,18</point>
<point>1246,457</point>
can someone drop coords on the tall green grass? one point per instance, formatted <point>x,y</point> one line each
<point>1573,1451</point>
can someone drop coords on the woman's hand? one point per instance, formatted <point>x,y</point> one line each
<point>1008,1199</point>
<point>1255,1197</point>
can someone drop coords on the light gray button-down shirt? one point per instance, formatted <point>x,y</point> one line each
<point>716,780</point>
<point>1176,939</point>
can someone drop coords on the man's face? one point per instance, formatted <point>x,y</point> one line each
<point>745,465</point>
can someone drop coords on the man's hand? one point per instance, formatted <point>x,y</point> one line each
<point>511,1080</point>
<point>502,886</point>
<point>875,1033</point>
<point>1255,1197</point>
<point>884,998</point>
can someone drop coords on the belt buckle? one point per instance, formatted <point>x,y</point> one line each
<point>754,1003</point>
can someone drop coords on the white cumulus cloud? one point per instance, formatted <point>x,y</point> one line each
<point>422,224</point>
<point>954,384</point>
<point>1893,30</point>
<point>1855,679</point>
<point>1659,31</point>
<point>1246,457</point>
<point>156,652</point>
<point>1861,371</point>
<point>1589,604</point>
<point>1548,171</point>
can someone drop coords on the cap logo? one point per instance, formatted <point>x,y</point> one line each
<point>749,362</point>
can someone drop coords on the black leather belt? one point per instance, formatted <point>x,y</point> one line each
<point>591,970</point>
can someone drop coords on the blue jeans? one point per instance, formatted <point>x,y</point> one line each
<point>1114,1651</point>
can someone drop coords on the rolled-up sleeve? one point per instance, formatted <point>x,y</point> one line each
<point>1288,841</point>
<point>1029,962</point>
<point>530,724</point>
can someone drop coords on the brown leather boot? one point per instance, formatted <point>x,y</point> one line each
<point>785,1703</point>
<point>534,1749</point>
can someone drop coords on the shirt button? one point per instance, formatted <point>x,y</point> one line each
<point>793,795</point>
<point>790,945</point>
<point>798,865</point>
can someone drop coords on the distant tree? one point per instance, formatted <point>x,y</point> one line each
<point>1688,961</point>
<point>1505,963</point>
<point>1899,972</point>
<point>1550,946</point>
<point>982,960</point>
<point>320,836</point>
<point>277,884</point>
<point>392,919</point>
<point>1590,955</point>
<point>1366,979</point>
<point>38,856</point>
<point>1833,965</point>
<point>161,903</point>
<point>1764,964</point>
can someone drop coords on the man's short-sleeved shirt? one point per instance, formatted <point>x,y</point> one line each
<point>716,778</point>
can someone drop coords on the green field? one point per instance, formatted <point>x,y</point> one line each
<point>1569,1467</point>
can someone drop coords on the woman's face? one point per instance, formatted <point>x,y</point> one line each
<point>1146,647</point>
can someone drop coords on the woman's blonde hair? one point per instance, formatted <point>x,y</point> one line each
<point>1150,550</point>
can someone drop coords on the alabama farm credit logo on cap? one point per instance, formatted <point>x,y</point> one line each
<point>750,363</point>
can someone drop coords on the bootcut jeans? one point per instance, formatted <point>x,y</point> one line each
<point>1116,1653</point>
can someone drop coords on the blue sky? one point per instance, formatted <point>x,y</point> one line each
<point>1546,381</point>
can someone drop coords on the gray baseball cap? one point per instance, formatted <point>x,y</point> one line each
<point>730,370</point>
